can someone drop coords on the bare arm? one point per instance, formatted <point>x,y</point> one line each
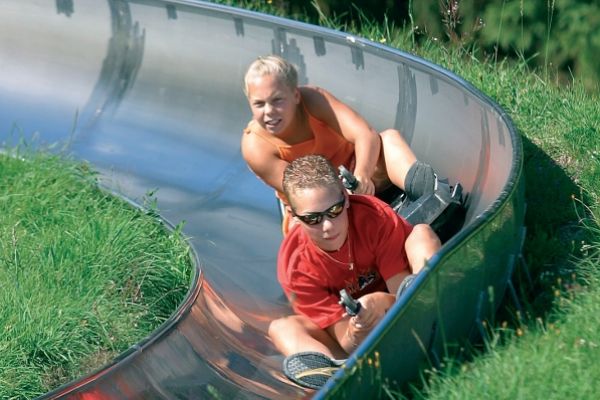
<point>394,282</point>
<point>354,128</point>
<point>349,332</point>
<point>263,160</point>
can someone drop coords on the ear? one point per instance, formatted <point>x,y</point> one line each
<point>297,96</point>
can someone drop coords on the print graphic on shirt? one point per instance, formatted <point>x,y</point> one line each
<point>362,281</point>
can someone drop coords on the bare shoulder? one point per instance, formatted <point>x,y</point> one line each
<point>318,101</point>
<point>258,153</point>
<point>263,159</point>
<point>314,94</point>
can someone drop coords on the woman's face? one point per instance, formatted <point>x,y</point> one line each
<point>273,103</point>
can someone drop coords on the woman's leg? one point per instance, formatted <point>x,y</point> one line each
<point>397,158</point>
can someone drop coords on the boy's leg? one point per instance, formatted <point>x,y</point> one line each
<point>296,333</point>
<point>420,246</point>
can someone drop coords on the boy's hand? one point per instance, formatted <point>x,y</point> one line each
<point>365,185</point>
<point>373,308</point>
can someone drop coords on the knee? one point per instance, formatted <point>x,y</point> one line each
<point>277,326</point>
<point>287,324</point>
<point>423,235</point>
<point>421,245</point>
<point>389,135</point>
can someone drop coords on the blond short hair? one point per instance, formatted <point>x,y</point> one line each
<point>309,172</point>
<point>272,65</point>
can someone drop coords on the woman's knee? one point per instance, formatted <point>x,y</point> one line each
<point>390,135</point>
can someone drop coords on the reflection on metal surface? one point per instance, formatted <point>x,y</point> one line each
<point>319,46</point>
<point>433,85</point>
<point>159,86</point>
<point>64,7</point>
<point>122,62</point>
<point>171,11</point>
<point>357,56</point>
<point>406,109</point>
<point>288,49</point>
<point>239,26</point>
<point>484,159</point>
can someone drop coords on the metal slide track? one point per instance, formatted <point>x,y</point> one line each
<point>150,93</point>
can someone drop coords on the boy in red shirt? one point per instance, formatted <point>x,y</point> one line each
<point>340,241</point>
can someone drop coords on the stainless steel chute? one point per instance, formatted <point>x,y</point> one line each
<point>150,92</point>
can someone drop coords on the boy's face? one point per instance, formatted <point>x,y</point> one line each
<point>330,233</point>
<point>272,102</point>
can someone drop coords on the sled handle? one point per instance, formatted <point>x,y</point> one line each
<point>352,306</point>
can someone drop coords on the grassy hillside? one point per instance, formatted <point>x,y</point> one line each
<point>549,352</point>
<point>83,275</point>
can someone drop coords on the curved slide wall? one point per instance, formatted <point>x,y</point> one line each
<point>150,93</point>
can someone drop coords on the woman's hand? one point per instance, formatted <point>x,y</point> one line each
<point>365,185</point>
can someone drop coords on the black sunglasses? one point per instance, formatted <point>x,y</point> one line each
<point>315,218</point>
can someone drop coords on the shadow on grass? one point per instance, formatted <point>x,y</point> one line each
<point>555,208</point>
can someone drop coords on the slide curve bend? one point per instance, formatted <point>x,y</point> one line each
<point>150,92</point>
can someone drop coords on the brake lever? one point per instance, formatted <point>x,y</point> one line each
<point>348,180</point>
<point>352,306</point>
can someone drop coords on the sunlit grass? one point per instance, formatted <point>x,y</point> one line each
<point>83,275</point>
<point>551,359</point>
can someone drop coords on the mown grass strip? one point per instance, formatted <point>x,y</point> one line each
<point>83,274</point>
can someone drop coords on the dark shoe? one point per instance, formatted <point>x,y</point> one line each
<point>443,209</point>
<point>310,369</point>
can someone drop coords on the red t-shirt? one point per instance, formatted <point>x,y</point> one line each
<point>312,281</point>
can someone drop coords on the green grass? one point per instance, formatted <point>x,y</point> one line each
<point>83,275</point>
<point>555,359</point>
<point>550,350</point>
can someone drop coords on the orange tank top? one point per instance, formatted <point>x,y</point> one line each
<point>325,141</point>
